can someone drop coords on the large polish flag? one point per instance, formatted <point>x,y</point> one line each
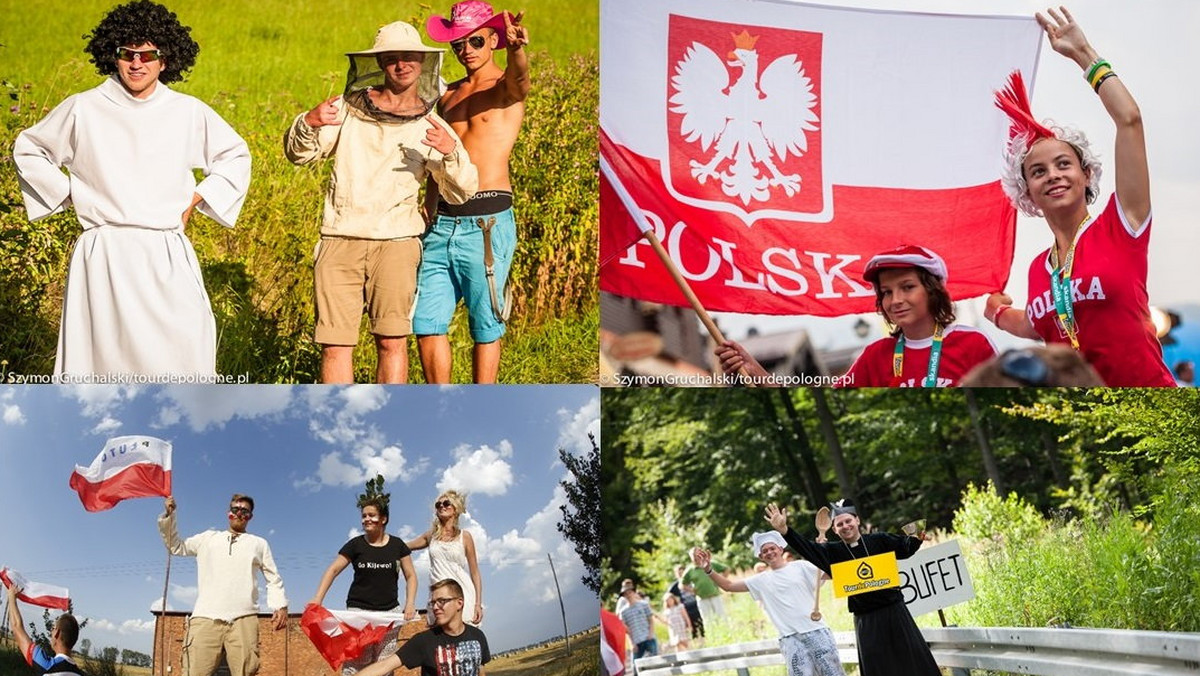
<point>36,593</point>
<point>342,635</point>
<point>128,467</point>
<point>775,146</point>
<point>612,648</point>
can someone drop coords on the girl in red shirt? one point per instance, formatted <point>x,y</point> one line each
<point>1089,289</point>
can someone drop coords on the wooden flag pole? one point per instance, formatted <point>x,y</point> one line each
<point>690,295</point>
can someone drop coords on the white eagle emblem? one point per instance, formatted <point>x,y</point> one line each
<point>751,121</point>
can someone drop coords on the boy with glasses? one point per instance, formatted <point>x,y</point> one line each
<point>225,617</point>
<point>134,302</point>
<point>450,647</point>
<point>469,247</point>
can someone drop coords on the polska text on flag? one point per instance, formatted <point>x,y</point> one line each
<point>128,467</point>
<point>774,147</point>
<point>36,593</point>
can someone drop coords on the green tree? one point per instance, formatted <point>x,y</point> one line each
<point>581,515</point>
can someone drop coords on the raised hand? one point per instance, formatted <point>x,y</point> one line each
<point>777,517</point>
<point>1066,37</point>
<point>325,113</point>
<point>701,557</point>
<point>169,505</point>
<point>437,137</point>
<point>516,34</point>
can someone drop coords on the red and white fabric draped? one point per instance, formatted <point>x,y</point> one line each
<point>775,146</point>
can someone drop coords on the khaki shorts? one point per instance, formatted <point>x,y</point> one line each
<point>207,639</point>
<point>380,275</point>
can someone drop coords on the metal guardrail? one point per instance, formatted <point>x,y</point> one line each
<point>1037,652</point>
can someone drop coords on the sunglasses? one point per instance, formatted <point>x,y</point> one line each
<point>441,603</point>
<point>476,42</point>
<point>147,55</point>
<point>1025,367</point>
<point>240,511</point>
<point>443,503</point>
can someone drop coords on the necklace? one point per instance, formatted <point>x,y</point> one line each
<point>1060,287</point>
<point>935,357</point>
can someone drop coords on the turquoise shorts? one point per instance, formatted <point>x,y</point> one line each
<point>452,270</point>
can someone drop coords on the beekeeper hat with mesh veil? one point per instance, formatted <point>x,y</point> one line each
<point>396,37</point>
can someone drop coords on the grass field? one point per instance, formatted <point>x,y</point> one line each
<point>260,64</point>
<point>552,659</point>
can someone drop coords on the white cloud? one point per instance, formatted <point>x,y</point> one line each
<point>356,467</point>
<point>205,406</point>
<point>480,471</point>
<point>13,415</point>
<point>109,424</point>
<point>528,548</point>
<point>98,400</point>
<point>354,532</point>
<point>573,435</point>
<point>126,627</point>
<point>167,416</point>
<point>184,594</point>
<point>362,399</point>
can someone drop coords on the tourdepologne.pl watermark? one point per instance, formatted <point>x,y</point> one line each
<point>724,380</point>
<point>126,379</point>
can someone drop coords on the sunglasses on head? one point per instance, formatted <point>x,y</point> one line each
<point>147,55</point>
<point>240,511</point>
<point>476,42</point>
<point>443,503</point>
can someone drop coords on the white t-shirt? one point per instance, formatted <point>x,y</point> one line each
<point>787,596</point>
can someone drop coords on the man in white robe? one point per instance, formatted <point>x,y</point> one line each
<point>135,303</point>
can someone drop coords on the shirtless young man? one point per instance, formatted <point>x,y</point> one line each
<point>485,109</point>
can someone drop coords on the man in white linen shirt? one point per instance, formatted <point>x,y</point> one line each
<point>135,301</point>
<point>385,139</point>
<point>225,618</point>
<point>786,592</point>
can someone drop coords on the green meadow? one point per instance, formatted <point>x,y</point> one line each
<point>261,63</point>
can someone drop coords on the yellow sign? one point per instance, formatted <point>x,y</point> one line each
<point>867,574</point>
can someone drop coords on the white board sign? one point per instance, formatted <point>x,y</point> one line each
<point>935,577</point>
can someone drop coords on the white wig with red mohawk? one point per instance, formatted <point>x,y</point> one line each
<point>1024,132</point>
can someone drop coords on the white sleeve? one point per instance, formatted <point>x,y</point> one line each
<point>40,153</point>
<point>226,166</point>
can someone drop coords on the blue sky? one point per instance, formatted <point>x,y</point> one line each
<point>303,453</point>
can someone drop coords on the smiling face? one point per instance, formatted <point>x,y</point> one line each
<point>1055,178</point>
<point>372,521</point>
<point>846,527</point>
<point>772,555</point>
<point>401,69</point>
<point>139,75</point>
<point>903,298</point>
<point>240,513</point>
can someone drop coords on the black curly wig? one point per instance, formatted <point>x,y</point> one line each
<point>139,22</point>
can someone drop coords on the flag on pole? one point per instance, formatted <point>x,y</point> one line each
<point>128,467</point>
<point>612,648</point>
<point>36,593</point>
<point>342,635</point>
<point>775,146</point>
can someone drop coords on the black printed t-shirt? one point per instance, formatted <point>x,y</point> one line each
<point>376,572</point>
<point>439,654</point>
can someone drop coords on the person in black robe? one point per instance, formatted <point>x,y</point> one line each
<point>889,642</point>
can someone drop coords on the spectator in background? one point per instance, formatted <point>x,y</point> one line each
<point>62,639</point>
<point>1185,373</point>
<point>687,594</point>
<point>1039,366</point>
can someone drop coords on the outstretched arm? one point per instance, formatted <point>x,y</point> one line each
<point>339,563</point>
<point>1132,167</point>
<point>15,622</point>
<point>1000,311</point>
<point>703,559</point>
<point>420,542</point>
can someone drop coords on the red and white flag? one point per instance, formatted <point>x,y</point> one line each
<point>128,467</point>
<point>774,147</point>
<point>36,593</point>
<point>342,635</point>
<point>612,648</point>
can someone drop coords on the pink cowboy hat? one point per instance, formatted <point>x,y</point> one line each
<point>466,18</point>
